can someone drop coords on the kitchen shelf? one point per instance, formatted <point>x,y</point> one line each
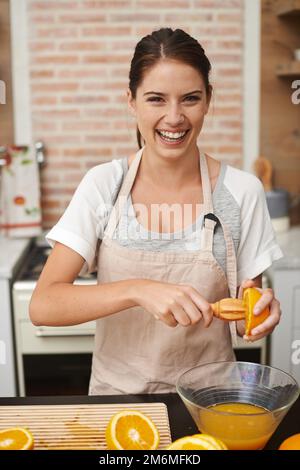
<point>287,7</point>
<point>289,69</point>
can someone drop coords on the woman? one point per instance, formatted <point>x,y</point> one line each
<point>159,268</point>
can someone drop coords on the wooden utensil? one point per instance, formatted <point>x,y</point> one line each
<point>264,170</point>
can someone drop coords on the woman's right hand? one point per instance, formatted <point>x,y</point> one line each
<point>173,304</point>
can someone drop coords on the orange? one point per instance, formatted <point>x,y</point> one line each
<point>16,439</point>
<point>197,442</point>
<point>131,430</point>
<point>291,443</point>
<point>250,298</point>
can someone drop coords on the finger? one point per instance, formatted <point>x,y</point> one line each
<point>264,301</point>
<point>203,306</point>
<point>191,310</point>
<point>251,338</point>
<point>244,285</point>
<point>180,315</point>
<point>269,323</point>
<point>169,319</point>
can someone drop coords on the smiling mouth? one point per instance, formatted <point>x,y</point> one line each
<point>166,136</point>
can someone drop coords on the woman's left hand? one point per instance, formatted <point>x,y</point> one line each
<point>267,299</point>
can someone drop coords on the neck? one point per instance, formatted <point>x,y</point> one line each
<point>173,173</point>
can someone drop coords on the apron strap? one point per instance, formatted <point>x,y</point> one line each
<point>122,196</point>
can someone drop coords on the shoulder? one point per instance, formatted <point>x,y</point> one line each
<point>244,187</point>
<point>108,173</point>
<point>102,181</point>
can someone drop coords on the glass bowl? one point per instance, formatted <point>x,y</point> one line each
<point>241,403</point>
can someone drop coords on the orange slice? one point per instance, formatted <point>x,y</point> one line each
<point>16,439</point>
<point>250,298</point>
<point>197,442</point>
<point>131,430</point>
<point>291,443</point>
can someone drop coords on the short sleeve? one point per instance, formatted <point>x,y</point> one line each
<point>258,247</point>
<point>84,220</point>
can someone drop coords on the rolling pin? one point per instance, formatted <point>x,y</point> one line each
<point>241,309</point>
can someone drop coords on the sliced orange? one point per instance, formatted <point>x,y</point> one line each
<point>250,298</point>
<point>197,442</point>
<point>291,443</point>
<point>131,430</point>
<point>16,439</point>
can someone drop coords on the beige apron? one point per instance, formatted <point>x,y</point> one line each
<point>135,353</point>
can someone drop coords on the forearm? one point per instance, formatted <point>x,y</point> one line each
<point>63,304</point>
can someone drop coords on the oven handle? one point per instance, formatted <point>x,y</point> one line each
<point>42,333</point>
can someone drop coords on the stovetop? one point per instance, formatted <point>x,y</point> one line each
<point>35,261</point>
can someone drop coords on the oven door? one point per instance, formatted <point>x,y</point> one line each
<point>50,360</point>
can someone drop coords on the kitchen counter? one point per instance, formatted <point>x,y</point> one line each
<point>181,423</point>
<point>11,252</point>
<point>289,242</point>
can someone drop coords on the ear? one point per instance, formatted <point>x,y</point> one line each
<point>131,102</point>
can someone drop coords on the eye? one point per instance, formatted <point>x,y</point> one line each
<point>154,98</point>
<point>192,98</point>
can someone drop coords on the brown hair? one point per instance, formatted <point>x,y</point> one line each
<point>166,43</point>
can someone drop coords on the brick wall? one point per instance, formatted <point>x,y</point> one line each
<point>80,52</point>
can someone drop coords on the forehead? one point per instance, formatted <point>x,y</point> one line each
<point>171,76</point>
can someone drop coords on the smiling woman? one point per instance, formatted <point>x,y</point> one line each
<point>156,271</point>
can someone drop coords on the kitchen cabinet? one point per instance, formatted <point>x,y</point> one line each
<point>12,252</point>
<point>285,277</point>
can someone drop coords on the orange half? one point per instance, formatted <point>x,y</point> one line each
<point>131,430</point>
<point>16,439</point>
<point>250,298</point>
<point>197,442</point>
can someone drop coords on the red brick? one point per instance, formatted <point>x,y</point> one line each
<point>56,32</point>
<point>84,99</point>
<point>54,87</point>
<point>44,100</point>
<point>106,59</point>
<point>41,74</point>
<point>82,18</point>
<point>50,204</point>
<point>107,4</point>
<point>52,5</point>
<point>85,126</point>
<point>86,151</point>
<point>236,4</point>
<point>167,4</point>
<point>106,31</point>
<point>82,46</point>
<point>55,59</point>
<point>41,46</point>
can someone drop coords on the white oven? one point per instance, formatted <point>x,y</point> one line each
<point>50,360</point>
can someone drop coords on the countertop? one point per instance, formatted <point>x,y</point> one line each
<point>181,423</point>
<point>289,242</point>
<point>11,254</point>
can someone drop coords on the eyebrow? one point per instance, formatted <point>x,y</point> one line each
<point>163,94</point>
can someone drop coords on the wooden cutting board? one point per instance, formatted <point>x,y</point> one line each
<point>78,426</point>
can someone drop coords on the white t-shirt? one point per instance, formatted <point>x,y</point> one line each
<point>238,199</point>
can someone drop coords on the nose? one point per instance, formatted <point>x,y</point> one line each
<point>174,115</point>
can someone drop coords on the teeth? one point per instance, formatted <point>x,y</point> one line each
<point>172,135</point>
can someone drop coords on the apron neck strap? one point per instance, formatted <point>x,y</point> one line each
<point>123,195</point>
<point>206,186</point>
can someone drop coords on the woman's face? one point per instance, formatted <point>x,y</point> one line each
<point>170,107</point>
